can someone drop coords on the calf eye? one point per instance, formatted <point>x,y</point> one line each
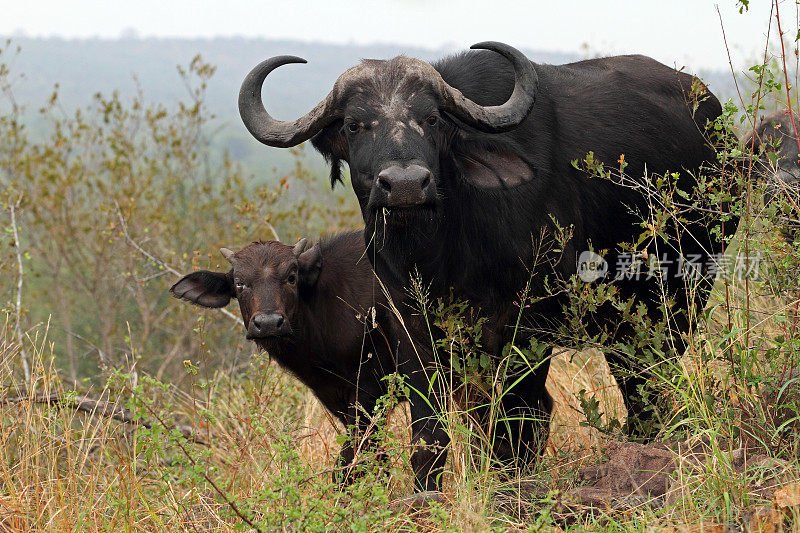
<point>432,121</point>
<point>291,279</point>
<point>240,286</point>
<point>353,127</point>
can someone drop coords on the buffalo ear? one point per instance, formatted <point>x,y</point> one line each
<point>309,264</point>
<point>331,143</point>
<point>205,288</point>
<point>490,169</point>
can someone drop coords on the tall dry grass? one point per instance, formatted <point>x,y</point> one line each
<point>62,469</point>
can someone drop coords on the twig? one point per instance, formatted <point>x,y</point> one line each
<point>101,408</point>
<point>730,61</point>
<point>791,116</point>
<point>100,354</point>
<point>786,73</point>
<point>224,496</point>
<point>749,184</point>
<point>157,261</point>
<point>18,304</point>
<point>272,229</point>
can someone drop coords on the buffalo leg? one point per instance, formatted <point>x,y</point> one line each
<point>428,436</point>
<point>641,421</point>
<point>645,404</point>
<point>360,436</point>
<point>524,425</point>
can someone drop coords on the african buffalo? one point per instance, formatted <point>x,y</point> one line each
<point>464,172</point>
<point>776,134</point>
<point>316,312</point>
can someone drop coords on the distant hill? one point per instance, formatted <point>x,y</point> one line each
<point>87,66</point>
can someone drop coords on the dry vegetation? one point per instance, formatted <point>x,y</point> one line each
<point>267,445</point>
<point>191,431</point>
<point>264,447</point>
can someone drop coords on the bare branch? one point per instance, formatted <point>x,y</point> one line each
<point>157,261</point>
<point>18,304</point>
<point>103,409</point>
<point>272,229</point>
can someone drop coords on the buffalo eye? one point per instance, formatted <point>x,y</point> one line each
<point>432,121</point>
<point>353,127</point>
<point>291,279</point>
<point>240,285</point>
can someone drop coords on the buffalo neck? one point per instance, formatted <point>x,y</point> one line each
<point>477,242</point>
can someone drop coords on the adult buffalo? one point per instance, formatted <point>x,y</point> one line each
<point>776,135</point>
<point>464,172</point>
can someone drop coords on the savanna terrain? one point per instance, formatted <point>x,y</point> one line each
<point>123,409</point>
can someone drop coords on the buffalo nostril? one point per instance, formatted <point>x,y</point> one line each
<point>279,322</point>
<point>384,184</point>
<point>426,181</point>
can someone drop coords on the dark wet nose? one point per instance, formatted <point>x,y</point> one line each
<point>405,187</point>
<point>267,325</point>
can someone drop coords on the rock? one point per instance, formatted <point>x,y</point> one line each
<point>636,474</point>
<point>764,519</point>
<point>607,499</point>
<point>418,501</point>
<point>787,498</point>
<point>632,470</point>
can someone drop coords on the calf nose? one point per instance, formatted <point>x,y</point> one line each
<point>405,187</point>
<point>266,325</point>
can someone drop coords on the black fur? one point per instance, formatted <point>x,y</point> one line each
<point>481,240</point>
<point>776,133</point>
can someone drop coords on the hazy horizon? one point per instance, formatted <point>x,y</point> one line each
<point>678,33</point>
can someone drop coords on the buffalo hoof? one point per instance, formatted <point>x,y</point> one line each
<point>419,501</point>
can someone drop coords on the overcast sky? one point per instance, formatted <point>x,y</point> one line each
<point>676,32</point>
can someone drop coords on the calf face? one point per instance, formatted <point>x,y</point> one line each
<point>266,278</point>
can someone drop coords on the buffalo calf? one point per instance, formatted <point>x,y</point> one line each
<point>317,312</point>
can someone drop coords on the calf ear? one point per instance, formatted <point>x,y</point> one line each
<point>208,289</point>
<point>309,264</point>
<point>489,169</point>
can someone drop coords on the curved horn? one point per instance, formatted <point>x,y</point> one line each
<point>273,132</point>
<point>490,119</point>
<point>300,247</point>
<point>500,118</point>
